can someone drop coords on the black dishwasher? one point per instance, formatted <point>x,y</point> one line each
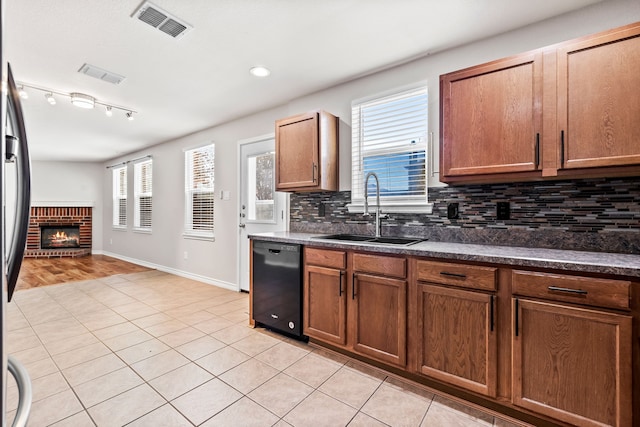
<point>277,286</point>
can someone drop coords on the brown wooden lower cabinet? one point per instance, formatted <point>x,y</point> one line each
<point>457,340</point>
<point>365,313</point>
<point>572,364</point>
<point>325,304</point>
<point>379,307</point>
<point>568,356</point>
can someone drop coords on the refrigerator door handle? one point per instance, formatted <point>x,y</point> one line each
<point>23,202</point>
<point>25,393</point>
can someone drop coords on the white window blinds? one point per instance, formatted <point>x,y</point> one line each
<point>199,191</point>
<point>119,196</point>
<point>389,138</point>
<point>143,194</point>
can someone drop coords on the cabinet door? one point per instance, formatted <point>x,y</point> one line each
<point>380,318</point>
<point>457,338</point>
<point>572,364</point>
<point>491,118</point>
<point>598,100</point>
<point>297,152</point>
<point>325,309</point>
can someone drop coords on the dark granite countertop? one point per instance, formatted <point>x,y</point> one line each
<point>577,261</point>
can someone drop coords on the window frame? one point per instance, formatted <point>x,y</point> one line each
<point>390,203</point>
<point>138,194</point>
<point>119,182</point>
<point>205,233</point>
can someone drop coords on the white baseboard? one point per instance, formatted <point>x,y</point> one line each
<point>181,273</point>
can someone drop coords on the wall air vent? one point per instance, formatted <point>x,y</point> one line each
<point>161,20</point>
<point>99,73</point>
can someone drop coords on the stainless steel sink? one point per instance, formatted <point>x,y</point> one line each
<point>403,241</point>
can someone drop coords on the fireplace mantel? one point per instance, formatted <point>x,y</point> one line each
<point>62,204</point>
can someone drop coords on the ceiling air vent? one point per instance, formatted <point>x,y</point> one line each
<point>162,20</point>
<point>99,73</point>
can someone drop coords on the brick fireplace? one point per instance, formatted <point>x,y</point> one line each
<point>50,217</point>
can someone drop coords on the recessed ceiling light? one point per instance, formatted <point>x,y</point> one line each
<point>260,71</point>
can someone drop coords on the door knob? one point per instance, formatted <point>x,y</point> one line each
<point>242,225</point>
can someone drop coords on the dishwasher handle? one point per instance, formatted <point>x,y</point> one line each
<point>274,251</point>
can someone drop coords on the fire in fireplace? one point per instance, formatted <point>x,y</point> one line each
<point>54,237</point>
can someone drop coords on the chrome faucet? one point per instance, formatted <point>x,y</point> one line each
<point>366,201</point>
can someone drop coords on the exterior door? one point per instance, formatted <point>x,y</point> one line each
<point>261,209</point>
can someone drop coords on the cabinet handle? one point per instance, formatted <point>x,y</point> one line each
<point>561,148</point>
<point>313,172</point>
<point>341,279</point>
<point>491,312</point>
<point>567,290</point>
<point>353,286</point>
<point>537,153</point>
<point>516,316</point>
<point>454,275</point>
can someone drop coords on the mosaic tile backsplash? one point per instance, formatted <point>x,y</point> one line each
<point>600,215</point>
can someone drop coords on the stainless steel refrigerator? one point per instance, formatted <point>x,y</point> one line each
<point>12,241</point>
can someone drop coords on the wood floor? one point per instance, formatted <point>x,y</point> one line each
<point>37,272</point>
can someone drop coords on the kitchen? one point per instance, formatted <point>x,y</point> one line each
<point>90,182</point>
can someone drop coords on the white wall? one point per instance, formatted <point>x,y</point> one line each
<point>164,248</point>
<point>58,182</point>
<point>216,261</point>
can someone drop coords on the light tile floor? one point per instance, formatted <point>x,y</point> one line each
<point>153,349</point>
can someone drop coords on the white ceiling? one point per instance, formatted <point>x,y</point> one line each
<point>180,86</point>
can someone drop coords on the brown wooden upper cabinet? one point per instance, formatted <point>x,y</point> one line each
<point>492,118</point>
<point>307,152</point>
<point>566,111</point>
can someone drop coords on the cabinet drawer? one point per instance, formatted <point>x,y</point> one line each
<point>325,258</point>
<point>467,276</point>
<point>576,289</point>
<point>383,265</point>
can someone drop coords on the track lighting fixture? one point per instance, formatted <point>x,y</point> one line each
<point>50,99</point>
<point>78,99</point>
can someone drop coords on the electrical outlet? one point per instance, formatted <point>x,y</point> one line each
<point>186,255</point>
<point>111,241</point>
<point>503,210</point>
<point>321,210</point>
<point>453,211</point>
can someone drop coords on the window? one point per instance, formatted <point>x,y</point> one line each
<point>120,196</point>
<point>390,138</point>
<point>143,194</point>
<point>261,182</point>
<point>199,191</point>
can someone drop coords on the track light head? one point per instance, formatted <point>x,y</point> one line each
<point>50,99</point>
<point>23,93</point>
